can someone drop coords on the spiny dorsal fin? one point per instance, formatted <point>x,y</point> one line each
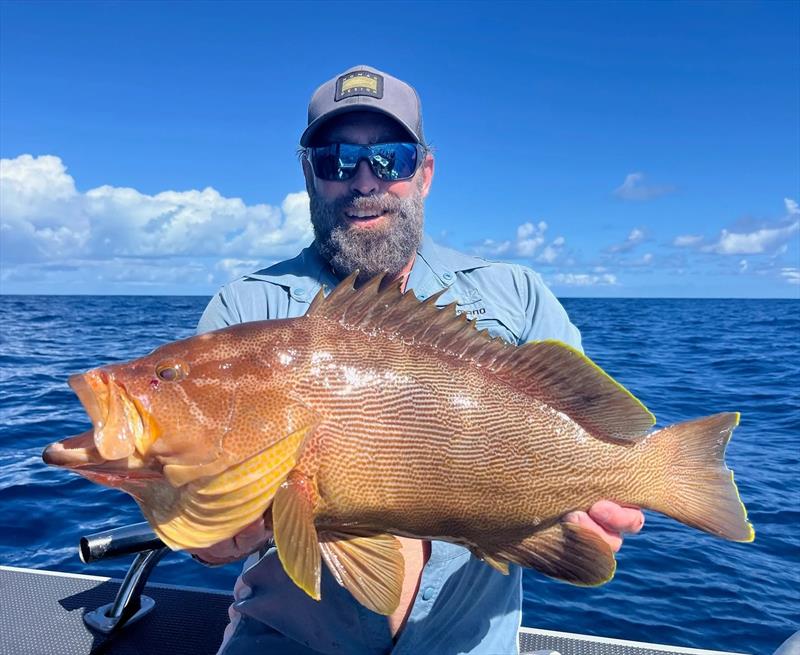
<point>548,371</point>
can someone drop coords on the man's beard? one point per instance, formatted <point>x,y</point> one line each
<point>372,251</point>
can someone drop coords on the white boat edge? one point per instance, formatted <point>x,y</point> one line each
<point>625,642</point>
<point>535,631</point>
<point>101,578</point>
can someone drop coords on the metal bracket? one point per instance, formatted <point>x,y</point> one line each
<point>129,605</point>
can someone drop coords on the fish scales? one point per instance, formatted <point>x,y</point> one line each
<point>376,415</point>
<point>454,452</point>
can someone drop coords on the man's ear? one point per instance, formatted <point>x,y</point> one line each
<point>308,173</point>
<point>427,174</point>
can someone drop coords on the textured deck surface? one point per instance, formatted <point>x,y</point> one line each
<point>41,613</point>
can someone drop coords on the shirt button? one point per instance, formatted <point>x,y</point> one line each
<point>245,593</point>
<point>447,277</point>
<point>427,593</point>
<point>299,292</point>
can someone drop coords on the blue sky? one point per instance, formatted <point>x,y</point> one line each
<point>620,149</point>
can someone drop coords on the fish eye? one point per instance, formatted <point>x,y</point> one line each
<point>171,371</point>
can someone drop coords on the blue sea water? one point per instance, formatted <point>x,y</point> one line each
<point>682,358</point>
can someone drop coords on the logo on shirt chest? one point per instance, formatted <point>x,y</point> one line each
<point>472,310</point>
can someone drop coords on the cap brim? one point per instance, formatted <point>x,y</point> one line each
<point>311,130</point>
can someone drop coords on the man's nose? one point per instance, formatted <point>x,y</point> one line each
<point>364,181</point>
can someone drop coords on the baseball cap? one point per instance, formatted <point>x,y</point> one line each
<point>364,88</point>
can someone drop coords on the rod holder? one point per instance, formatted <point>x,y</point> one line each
<point>130,604</point>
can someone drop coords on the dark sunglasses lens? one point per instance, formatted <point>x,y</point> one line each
<point>394,161</point>
<point>335,162</point>
<point>389,161</point>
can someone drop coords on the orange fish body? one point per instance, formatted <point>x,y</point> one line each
<point>375,415</point>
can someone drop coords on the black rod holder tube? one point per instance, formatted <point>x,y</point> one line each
<point>126,604</point>
<point>119,541</point>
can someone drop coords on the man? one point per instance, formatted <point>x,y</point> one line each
<point>367,172</point>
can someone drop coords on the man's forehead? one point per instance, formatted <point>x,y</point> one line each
<point>361,127</point>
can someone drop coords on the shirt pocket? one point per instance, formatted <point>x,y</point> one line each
<point>488,317</point>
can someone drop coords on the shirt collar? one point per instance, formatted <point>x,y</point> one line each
<point>434,269</point>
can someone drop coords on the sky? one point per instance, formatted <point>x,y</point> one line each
<point>624,149</point>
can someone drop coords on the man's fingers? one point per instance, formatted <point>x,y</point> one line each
<point>252,537</point>
<point>582,519</point>
<point>617,518</point>
<point>247,541</point>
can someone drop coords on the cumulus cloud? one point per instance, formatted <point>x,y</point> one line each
<point>635,188</point>
<point>764,240</point>
<point>749,237</point>
<point>585,279</point>
<point>635,237</point>
<point>687,240</point>
<point>44,217</point>
<point>551,251</point>
<point>234,268</point>
<point>791,274</point>
<point>527,244</point>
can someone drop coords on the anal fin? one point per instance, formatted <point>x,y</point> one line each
<point>371,567</point>
<point>295,533</point>
<point>566,552</point>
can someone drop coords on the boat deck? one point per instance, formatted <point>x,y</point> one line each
<point>42,614</point>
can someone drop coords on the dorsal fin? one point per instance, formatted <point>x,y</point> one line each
<point>549,371</point>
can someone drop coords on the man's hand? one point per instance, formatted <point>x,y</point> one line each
<point>609,520</point>
<point>249,540</point>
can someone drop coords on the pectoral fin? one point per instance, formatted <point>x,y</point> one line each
<point>567,552</point>
<point>370,567</point>
<point>295,533</point>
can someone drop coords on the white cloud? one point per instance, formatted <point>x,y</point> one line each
<point>492,248</point>
<point>743,265</point>
<point>635,237</point>
<point>768,239</point>
<point>791,275</point>
<point>687,240</point>
<point>234,268</point>
<point>44,217</point>
<point>529,239</point>
<point>585,279</point>
<point>551,251</point>
<point>635,188</point>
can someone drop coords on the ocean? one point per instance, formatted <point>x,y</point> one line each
<point>682,358</point>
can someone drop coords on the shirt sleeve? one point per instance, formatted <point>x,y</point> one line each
<point>219,313</point>
<point>545,317</point>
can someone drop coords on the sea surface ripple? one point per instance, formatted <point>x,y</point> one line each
<point>682,358</point>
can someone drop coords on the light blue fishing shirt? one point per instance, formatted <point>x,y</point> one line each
<point>463,605</point>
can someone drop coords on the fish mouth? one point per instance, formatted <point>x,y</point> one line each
<point>122,426</point>
<point>80,454</point>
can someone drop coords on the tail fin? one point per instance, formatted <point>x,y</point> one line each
<point>699,489</point>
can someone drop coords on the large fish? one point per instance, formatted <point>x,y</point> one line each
<point>375,415</point>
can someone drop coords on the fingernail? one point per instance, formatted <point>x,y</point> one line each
<point>572,517</point>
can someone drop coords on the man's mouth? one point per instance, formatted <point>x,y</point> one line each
<point>364,215</point>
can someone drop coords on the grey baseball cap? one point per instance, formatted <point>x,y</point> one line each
<point>363,88</point>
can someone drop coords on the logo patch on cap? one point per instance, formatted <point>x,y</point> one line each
<point>359,83</point>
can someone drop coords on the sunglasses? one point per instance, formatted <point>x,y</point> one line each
<point>338,162</point>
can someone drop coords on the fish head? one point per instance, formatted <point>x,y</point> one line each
<point>172,406</point>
